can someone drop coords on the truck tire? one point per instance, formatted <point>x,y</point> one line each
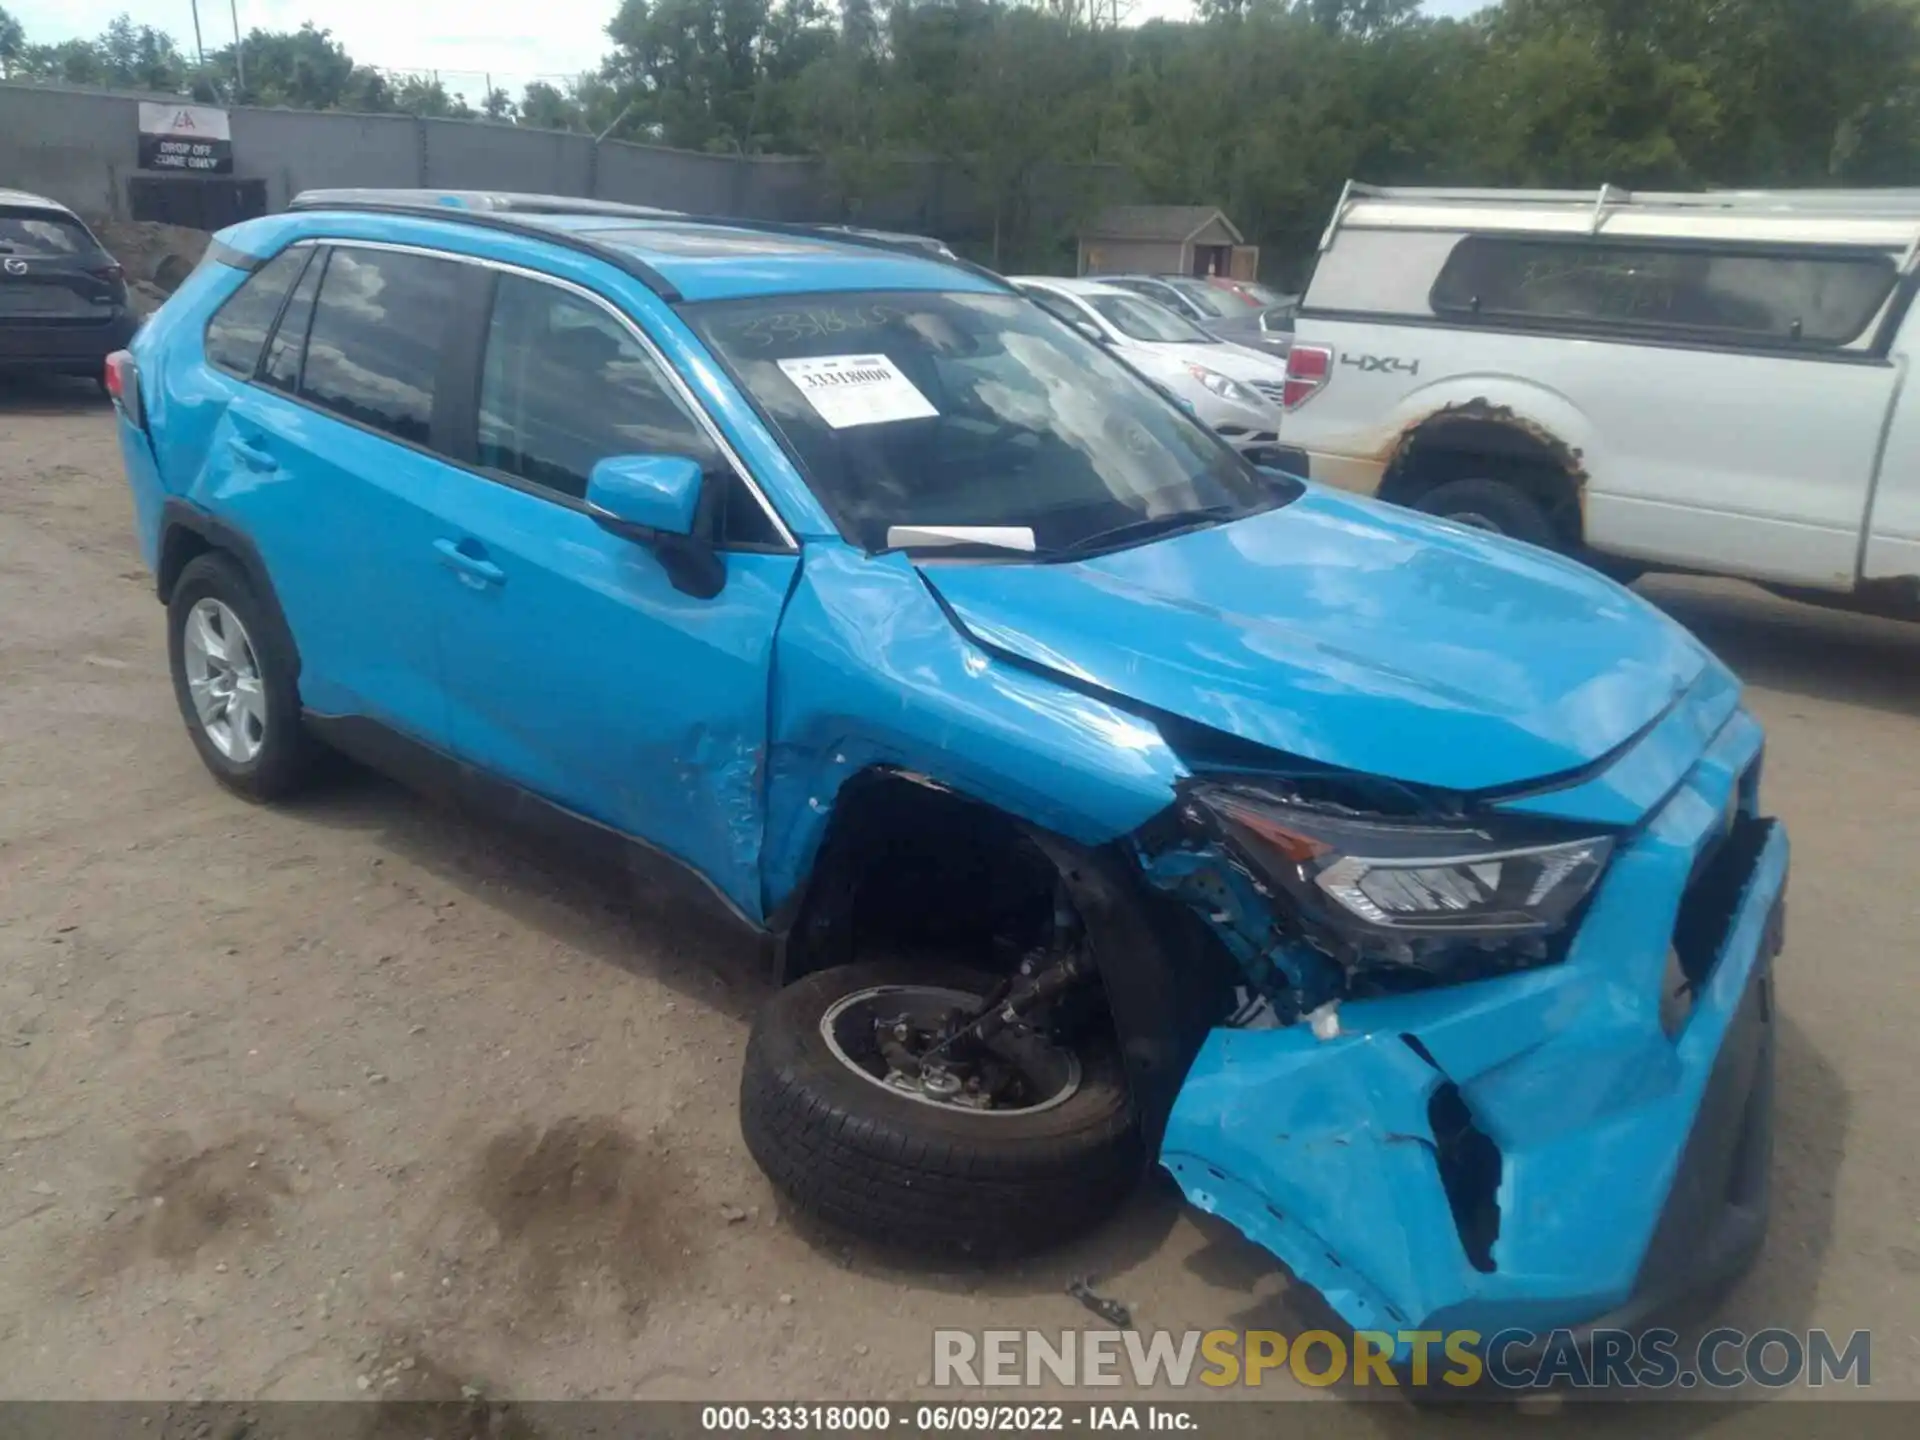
<point>919,1175</point>
<point>220,643</point>
<point>1495,505</point>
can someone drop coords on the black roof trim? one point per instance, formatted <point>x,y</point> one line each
<point>225,254</point>
<point>518,222</point>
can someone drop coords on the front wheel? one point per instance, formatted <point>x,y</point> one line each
<point>1004,1152</point>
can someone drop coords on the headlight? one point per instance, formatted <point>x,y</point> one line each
<point>1409,878</point>
<point>1221,385</point>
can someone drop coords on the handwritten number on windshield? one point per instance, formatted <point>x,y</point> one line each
<point>788,327</point>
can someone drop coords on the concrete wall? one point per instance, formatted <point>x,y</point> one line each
<point>79,146</point>
<point>294,150</point>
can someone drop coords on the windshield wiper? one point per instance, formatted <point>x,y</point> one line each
<point>1018,538</point>
<point>1149,527</point>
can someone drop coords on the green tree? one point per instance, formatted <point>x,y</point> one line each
<point>13,40</point>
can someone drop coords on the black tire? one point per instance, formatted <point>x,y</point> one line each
<point>286,752</point>
<point>1495,505</point>
<point>930,1179</point>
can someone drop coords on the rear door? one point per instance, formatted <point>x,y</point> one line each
<point>332,463</point>
<point>574,668</point>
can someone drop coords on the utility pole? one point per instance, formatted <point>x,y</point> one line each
<point>198,49</point>
<point>239,60</point>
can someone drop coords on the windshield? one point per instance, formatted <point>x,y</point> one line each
<point>978,410</point>
<point>1148,320</point>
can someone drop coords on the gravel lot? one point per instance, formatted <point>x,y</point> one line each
<point>350,1099</point>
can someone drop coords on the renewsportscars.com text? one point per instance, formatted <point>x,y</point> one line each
<point>1656,1359</point>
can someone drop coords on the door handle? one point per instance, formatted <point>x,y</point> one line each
<point>476,570</point>
<point>250,454</point>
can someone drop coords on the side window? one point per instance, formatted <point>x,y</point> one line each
<point>564,385</point>
<point>1808,298</point>
<point>374,347</point>
<point>239,327</point>
<point>281,368</point>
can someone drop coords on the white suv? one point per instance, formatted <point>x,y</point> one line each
<point>1704,382</point>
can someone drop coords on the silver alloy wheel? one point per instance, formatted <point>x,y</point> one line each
<point>1050,1073</point>
<point>223,677</point>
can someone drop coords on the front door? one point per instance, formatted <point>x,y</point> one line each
<point>573,666</point>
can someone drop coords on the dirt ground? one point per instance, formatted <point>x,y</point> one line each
<point>349,1099</point>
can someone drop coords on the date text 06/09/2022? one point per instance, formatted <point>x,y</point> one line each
<point>944,1418</point>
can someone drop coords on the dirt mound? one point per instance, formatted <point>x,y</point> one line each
<point>156,257</point>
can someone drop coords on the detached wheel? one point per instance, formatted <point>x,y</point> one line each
<point>1493,505</point>
<point>1024,1146</point>
<point>234,686</point>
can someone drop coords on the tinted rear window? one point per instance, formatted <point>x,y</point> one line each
<point>373,353</point>
<point>239,327</point>
<point>1798,299</point>
<point>33,232</point>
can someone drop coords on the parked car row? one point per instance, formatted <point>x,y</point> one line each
<point>1236,391</point>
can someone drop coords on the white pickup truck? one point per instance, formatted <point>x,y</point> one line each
<point>1706,382</point>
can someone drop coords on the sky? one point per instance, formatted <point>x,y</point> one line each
<point>554,39</point>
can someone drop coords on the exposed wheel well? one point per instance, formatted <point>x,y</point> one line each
<point>178,547</point>
<point>1490,445</point>
<point>187,532</point>
<point>910,865</point>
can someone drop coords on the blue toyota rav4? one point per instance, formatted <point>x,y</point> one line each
<point>1098,798</point>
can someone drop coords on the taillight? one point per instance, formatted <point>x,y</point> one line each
<point>123,384</point>
<point>1309,367</point>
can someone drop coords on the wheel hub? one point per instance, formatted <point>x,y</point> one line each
<point>223,680</point>
<point>892,1036</point>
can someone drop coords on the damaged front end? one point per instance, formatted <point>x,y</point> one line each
<point>1499,1066</point>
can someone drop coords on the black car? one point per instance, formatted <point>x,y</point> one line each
<point>63,298</point>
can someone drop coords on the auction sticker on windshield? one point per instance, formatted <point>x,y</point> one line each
<point>850,390</point>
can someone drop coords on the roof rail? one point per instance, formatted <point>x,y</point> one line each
<point>498,210</point>
<point>502,202</point>
<point>1892,199</point>
<point>513,223</point>
<point>1891,204</point>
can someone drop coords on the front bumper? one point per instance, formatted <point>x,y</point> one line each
<point>1532,1152</point>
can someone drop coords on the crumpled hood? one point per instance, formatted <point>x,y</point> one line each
<point>1353,634</point>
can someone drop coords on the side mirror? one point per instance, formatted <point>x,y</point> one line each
<point>644,496</point>
<point>656,500</point>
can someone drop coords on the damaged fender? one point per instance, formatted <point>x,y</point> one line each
<point>869,672</point>
<point>1532,1150</point>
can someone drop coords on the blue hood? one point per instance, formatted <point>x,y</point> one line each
<point>1353,634</point>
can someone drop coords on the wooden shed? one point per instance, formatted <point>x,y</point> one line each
<point>1166,240</point>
